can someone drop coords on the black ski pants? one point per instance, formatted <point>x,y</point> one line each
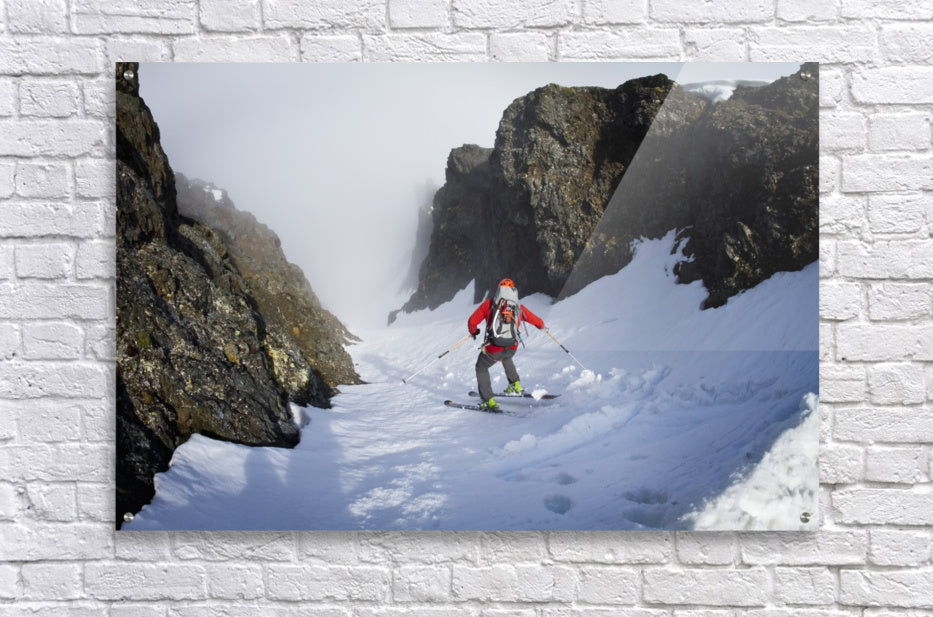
<point>485,361</point>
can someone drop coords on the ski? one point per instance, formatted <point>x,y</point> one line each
<point>543,397</point>
<point>457,405</point>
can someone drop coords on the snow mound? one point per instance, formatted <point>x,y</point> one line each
<point>787,469</point>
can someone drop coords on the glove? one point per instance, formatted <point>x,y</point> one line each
<point>475,333</point>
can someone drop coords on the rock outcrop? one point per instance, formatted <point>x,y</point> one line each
<point>577,174</point>
<point>303,339</point>
<point>753,177</point>
<point>457,238</point>
<point>204,338</point>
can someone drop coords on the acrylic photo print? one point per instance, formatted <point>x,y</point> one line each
<point>451,296</point>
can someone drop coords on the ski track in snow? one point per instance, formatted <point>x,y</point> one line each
<point>685,419</point>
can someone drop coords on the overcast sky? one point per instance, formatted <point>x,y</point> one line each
<point>336,158</point>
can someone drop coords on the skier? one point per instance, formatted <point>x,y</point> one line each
<point>503,315</point>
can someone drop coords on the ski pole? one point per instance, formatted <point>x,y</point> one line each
<point>462,341</point>
<point>565,349</point>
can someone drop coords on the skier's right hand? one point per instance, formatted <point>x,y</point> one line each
<point>475,333</point>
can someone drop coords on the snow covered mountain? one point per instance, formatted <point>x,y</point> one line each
<point>682,419</point>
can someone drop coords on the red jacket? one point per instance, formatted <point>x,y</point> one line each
<point>484,312</point>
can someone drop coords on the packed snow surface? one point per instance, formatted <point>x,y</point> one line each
<point>682,419</point>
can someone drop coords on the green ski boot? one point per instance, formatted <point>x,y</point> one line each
<point>515,388</point>
<point>490,405</point>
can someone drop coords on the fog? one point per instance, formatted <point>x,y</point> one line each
<point>338,158</point>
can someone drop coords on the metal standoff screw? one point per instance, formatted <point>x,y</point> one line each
<point>128,517</point>
<point>805,517</point>
<point>129,74</point>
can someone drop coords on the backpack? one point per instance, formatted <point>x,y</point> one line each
<point>503,329</point>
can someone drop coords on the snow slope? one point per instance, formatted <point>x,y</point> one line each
<point>682,419</point>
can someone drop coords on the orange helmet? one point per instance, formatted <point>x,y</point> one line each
<point>506,283</point>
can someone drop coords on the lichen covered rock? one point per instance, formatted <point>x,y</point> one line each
<point>304,341</point>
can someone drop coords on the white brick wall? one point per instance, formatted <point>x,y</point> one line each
<point>58,554</point>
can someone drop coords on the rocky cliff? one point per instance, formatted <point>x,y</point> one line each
<point>216,332</point>
<point>752,180</point>
<point>577,174</point>
<point>309,340</point>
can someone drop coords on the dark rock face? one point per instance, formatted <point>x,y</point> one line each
<point>196,352</point>
<point>457,239</point>
<point>304,341</point>
<point>754,178</point>
<point>578,174</point>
